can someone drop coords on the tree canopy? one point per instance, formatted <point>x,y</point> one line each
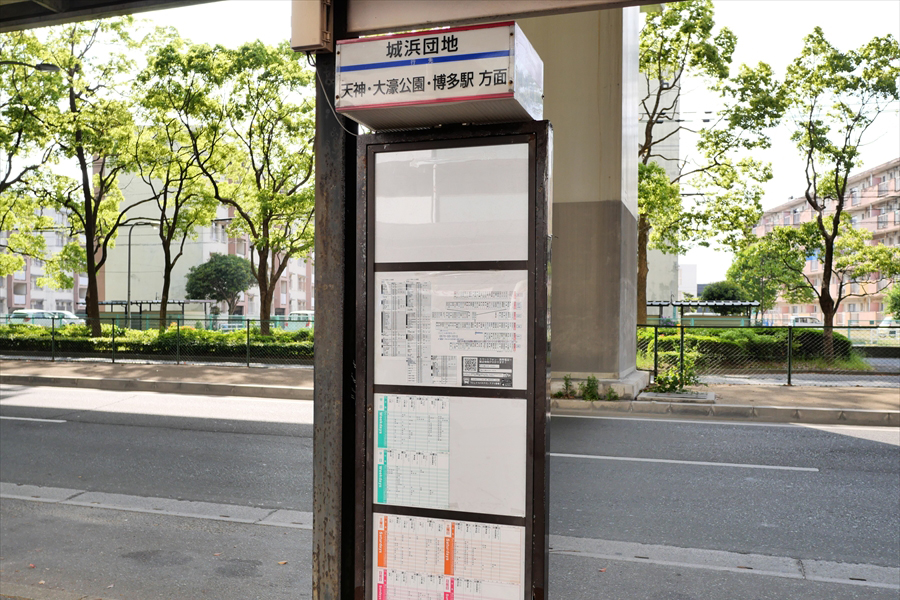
<point>675,42</point>
<point>833,97</point>
<point>725,290</point>
<point>249,117</point>
<point>222,278</point>
<point>781,259</point>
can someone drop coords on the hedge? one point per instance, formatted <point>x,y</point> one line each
<point>189,341</point>
<point>737,345</point>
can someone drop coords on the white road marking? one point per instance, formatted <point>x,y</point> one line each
<point>685,462</point>
<point>30,419</point>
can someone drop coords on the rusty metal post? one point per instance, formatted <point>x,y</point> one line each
<point>334,496</point>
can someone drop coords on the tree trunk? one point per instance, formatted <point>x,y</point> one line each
<point>167,280</point>
<point>265,310</point>
<point>828,311</point>
<point>92,297</point>
<point>164,297</point>
<point>643,269</point>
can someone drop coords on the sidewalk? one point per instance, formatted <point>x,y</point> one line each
<point>762,403</point>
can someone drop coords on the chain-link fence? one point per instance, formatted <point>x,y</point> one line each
<point>850,356</point>
<point>248,342</point>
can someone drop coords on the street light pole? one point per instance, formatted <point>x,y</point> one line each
<point>131,227</point>
<point>45,67</point>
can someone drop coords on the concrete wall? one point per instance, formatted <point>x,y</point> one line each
<point>590,97</point>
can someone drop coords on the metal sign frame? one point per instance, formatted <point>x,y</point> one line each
<point>538,136</point>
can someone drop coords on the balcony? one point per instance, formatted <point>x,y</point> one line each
<point>883,189</point>
<point>897,217</point>
<point>882,221</point>
<point>18,300</point>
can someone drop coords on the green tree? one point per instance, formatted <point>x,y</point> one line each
<point>29,110</point>
<point>222,278</point>
<point>833,98</point>
<point>249,116</point>
<point>165,162</point>
<point>676,42</point>
<point>892,301</point>
<point>95,132</point>
<point>857,267</point>
<point>724,290</point>
<point>752,270</point>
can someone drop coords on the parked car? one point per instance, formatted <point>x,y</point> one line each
<point>44,318</point>
<point>806,322</point>
<point>889,328</point>
<point>65,317</point>
<point>300,319</point>
<point>227,327</point>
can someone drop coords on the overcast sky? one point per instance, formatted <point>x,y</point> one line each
<point>771,31</point>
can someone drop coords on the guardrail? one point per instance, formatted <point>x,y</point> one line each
<point>854,356</point>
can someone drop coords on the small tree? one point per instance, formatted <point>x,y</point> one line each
<point>222,278</point>
<point>724,290</point>
<point>857,267</point>
<point>752,271</point>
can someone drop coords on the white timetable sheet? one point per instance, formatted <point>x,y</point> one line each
<point>420,558</point>
<point>451,453</point>
<point>452,329</point>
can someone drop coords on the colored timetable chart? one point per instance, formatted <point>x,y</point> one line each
<point>449,452</point>
<point>420,558</point>
<point>462,328</point>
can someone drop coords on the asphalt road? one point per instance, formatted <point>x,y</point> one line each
<point>178,504</point>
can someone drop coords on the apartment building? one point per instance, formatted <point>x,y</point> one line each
<point>873,203</point>
<point>21,289</point>
<point>137,259</point>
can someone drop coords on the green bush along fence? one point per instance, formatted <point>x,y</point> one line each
<point>235,343</point>
<point>791,355</point>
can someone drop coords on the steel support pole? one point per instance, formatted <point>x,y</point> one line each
<point>335,569</point>
<point>655,352</point>
<point>790,353</point>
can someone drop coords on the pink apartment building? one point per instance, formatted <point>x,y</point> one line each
<point>873,203</point>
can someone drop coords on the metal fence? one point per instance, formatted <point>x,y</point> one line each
<point>853,356</point>
<point>245,342</point>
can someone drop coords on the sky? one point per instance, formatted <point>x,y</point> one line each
<point>771,31</point>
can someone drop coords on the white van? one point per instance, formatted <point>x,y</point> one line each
<point>300,319</point>
<point>806,322</point>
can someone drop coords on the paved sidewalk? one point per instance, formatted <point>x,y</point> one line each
<point>763,403</point>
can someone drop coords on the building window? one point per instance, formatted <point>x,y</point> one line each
<point>854,197</point>
<point>852,308</point>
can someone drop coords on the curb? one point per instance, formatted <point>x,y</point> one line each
<point>648,408</point>
<point>759,414</point>
<point>165,387</point>
<point>18,591</point>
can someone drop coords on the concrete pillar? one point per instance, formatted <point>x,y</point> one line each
<point>590,89</point>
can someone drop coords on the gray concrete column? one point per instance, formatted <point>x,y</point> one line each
<point>590,97</point>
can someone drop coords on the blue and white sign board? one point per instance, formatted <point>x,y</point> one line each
<point>477,74</point>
